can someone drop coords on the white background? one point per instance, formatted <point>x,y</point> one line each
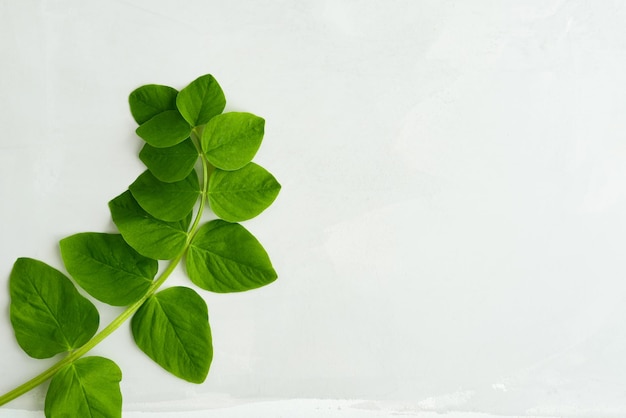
<point>451,228</point>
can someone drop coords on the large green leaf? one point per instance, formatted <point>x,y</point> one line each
<point>224,257</point>
<point>231,140</point>
<point>148,101</point>
<point>242,194</point>
<point>172,163</point>
<point>89,387</point>
<point>48,314</point>
<point>166,201</point>
<point>165,129</point>
<point>149,236</point>
<point>107,267</point>
<point>172,328</point>
<point>202,99</point>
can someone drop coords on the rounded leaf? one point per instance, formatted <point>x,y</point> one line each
<point>89,387</point>
<point>224,257</point>
<point>107,267</point>
<point>165,129</point>
<point>242,194</point>
<point>231,140</point>
<point>148,101</point>
<point>149,236</point>
<point>202,99</point>
<point>172,328</point>
<point>166,201</point>
<point>172,163</point>
<point>48,314</point>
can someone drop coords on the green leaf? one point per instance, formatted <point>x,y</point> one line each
<point>149,236</point>
<point>202,99</point>
<point>166,201</point>
<point>148,101</point>
<point>224,257</point>
<point>165,129</point>
<point>231,140</point>
<point>48,314</point>
<point>170,164</point>
<point>107,267</point>
<point>88,387</point>
<point>242,194</point>
<point>172,328</point>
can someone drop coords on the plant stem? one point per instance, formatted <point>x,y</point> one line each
<point>126,314</point>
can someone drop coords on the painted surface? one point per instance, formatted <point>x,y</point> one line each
<point>450,233</point>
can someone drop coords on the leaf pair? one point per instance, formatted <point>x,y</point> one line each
<point>234,195</point>
<point>171,326</point>
<point>221,257</point>
<point>166,116</point>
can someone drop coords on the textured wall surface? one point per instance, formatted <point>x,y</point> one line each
<point>450,232</point>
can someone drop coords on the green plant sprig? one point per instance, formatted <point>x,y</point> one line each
<point>154,218</point>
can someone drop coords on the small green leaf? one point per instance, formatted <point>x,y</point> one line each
<point>242,194</point>
<point>89,387</point>
<point>224,257</point>
<point>165,129</point>
<point>231,140</point>
<point>166,201</point>
<point>202,99</point>
<point>172,328</point>
<point>107,267</point>
<point>48,314</point>
<point>149,236</point>
<point>148,101</point>
<point>170,164</point>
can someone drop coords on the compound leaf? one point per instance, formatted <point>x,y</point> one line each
<point>107,267</point>
<point>88,387</point>
<point>172,328</point>
<point>148,101</point>
<point>231,140</point>
<point>202,99</point>
<point>166,129</point>
<point>48,314</point>
<point>224,257</point>
<point>149,236</point>
<point>172,163</point>
<point>166,201</point>
<point>242,194</point>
